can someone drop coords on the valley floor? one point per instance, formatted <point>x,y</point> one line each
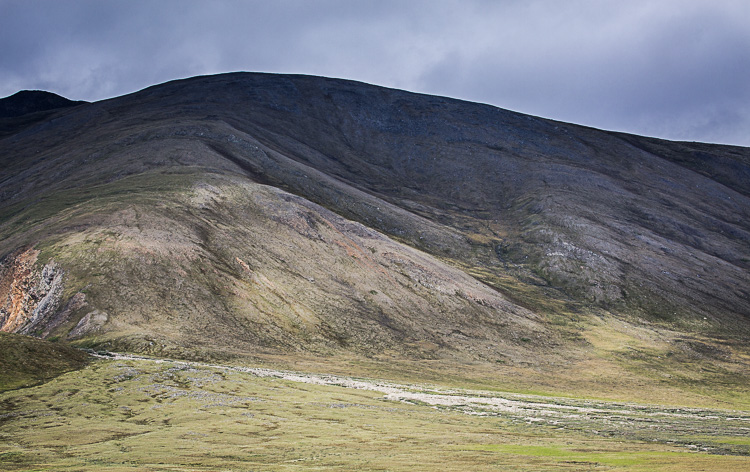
<point>126,413</point>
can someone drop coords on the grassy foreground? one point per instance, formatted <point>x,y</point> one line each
<point>120,415</point>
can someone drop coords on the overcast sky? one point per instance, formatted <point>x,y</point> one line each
<point>673,69</point>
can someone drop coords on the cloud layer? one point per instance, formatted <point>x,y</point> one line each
<point>674,69</point>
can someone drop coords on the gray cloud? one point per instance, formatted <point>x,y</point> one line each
<point>675,69</point>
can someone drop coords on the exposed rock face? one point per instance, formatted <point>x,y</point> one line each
<point>76,302</point>
<point>27,295</point>
<point>90,323</point>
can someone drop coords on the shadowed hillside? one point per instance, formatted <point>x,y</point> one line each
<point>27,107</point>
<point>32,101</point>
<point>26,361</point>
<point>264,215</point>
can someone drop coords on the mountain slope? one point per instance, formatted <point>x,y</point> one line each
<point>255,213</point>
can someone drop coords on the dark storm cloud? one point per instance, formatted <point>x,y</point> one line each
<point>675,69</point>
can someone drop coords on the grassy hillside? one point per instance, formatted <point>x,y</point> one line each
<point>26,361</point>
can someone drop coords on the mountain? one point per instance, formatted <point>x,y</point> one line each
<point>32,101</point>
<point>250,215</point>
<point>29,106</point>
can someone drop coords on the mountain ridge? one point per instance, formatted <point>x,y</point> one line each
<point>262,214</point>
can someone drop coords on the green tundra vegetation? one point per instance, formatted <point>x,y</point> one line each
<point>140,415</point>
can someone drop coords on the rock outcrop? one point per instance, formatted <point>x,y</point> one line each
<point>28,294</point>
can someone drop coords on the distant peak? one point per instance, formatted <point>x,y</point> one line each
<point>31,101</point>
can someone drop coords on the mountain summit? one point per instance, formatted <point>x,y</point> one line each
<point>260,214</point>
<point>31,101</point>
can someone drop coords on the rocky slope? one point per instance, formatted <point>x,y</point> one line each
<point>28,295</point>
<point>255,213</point>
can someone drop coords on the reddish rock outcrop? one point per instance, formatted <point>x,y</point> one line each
<point>27,294</point>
